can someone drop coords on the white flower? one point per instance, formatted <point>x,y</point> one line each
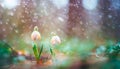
<point>35,34</point>
<point>55,40</point>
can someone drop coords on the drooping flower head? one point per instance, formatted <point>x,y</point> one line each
<point>35,34</point>
<point>55,40</point>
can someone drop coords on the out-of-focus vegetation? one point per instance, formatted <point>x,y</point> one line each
<point>6,54</point>
<point>72,50</point>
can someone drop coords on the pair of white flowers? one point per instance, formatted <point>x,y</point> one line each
<point>36,36</point>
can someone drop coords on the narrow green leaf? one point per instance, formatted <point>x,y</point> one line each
<point>52,51</point>
<point>35,50</point>
<point>40,51</point>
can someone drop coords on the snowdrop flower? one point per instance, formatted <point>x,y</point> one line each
<point>55,40</point>
<point>35,34</point>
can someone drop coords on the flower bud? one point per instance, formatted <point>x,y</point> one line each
<point>35,34</point>
<point>55,40</point>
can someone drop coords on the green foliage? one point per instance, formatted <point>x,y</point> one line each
<point>35,50</point>
<point>76,47</point>
<point>111,50</point>
<point>37,53</point>
<point>6,54</point>
<point>51,51</point>
<point>100,50</point>
<point>41,49</point>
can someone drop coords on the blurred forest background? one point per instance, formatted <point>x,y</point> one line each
<point>97,20</point>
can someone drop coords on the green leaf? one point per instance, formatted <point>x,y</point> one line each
<point>40,51</point>
<point>52,51</point>
<point>35,50</point>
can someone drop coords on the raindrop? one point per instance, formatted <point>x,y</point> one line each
<point>61,19</point>
<point>23,21</point>
<point>81,23</point>
<point>11,28</point>
<point>16,31</point>
<point>14,25</point>
<point>6,23</point>
<point>3,29</point>
<point>109,16</point>
<point>0,22</point>
<point>11,13</point>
